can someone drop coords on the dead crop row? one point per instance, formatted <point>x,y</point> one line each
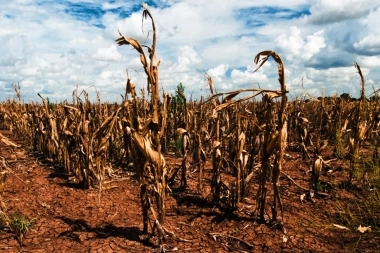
<point>246,137</point>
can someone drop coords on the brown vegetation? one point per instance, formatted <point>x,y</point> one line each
<point>246,142</point>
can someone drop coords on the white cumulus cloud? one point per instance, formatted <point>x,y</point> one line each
<point>107,54</point>
<point>370,44</point>
<point>295,46</point>
<point>327,11</point>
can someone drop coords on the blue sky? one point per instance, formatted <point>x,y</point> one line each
<point>52,46</point>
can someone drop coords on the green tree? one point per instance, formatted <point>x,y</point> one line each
<point>177,101</point>
<point>180,89</point>
<point>49,105</point>
<point>345,96</point>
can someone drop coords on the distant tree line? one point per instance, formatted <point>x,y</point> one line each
<point>348,97</point>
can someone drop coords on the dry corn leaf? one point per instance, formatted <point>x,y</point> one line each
<point>229,97</point>
<point>210,83</point>
<point>258,59</point>
<point>324,144</point>
<point>143,60</point>
<point>222,106</point>
<point>272,94</point>
<point>104,142</point>
<point>271,143</point>
<point>351,141</point>
<point>72,108</point>
<point>318,165</point>
<point>262,127</point>
<point>216,144</point>
<point>362,92</point>
<point>129,41</point>
<point>263,56</point>
<point>241,137</point>
<point>340,227</point>
<point>131,88</point>
<point>362,130</point>
<point>243,158</point>
<point>364,229</point>
<point>145,147</point>
<point>7,141</point>
<point>185,143</point>
<point>344,127</point>
<point>180,131</point>
<point>67,133</point>
<point>302,197</point>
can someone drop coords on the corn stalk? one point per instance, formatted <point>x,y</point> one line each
<point>274,139</point>
<point>185,140</point>
<point>360,126</point>
<point>150,145</point>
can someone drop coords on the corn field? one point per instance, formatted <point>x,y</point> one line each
<point>244,134</point>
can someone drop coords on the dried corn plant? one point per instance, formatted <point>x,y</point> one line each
<point>304,134</point>
<point>360,127</point>
<point>375,126</point>
<point>4,170</point>
<point>341,114</point>
<point>147,138</point>
<point>241,156</point>
<point>318,164</point>
<point>224,143</point>
<point>185,140</point>
<point>274,139</point>
<point>4,218</point>
<point>71,136</point>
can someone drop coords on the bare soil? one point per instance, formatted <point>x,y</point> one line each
<point>70,219</point>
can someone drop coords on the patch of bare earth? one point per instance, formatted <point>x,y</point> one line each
<point>70,219</point>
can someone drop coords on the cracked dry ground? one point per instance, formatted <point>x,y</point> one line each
<point>70,219</point>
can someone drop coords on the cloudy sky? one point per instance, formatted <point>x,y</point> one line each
<point>52,46</point>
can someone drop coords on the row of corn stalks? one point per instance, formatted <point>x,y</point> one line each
<point>244,136</point>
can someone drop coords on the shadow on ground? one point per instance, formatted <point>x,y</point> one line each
<point>103,232</point>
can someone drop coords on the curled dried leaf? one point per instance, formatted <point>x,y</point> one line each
<point>216,144</point>
<point>362,130</point>
<point>222,106</point>
<point>364,229</point>
<point>7,141</point>
<point>180,131</point>
<point>230,96</point>
<point>302,197</point>
<point>318,166</point>
<point>271,143</point>
<point>272,94</point>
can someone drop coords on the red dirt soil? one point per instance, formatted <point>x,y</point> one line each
<point>69,219</point>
